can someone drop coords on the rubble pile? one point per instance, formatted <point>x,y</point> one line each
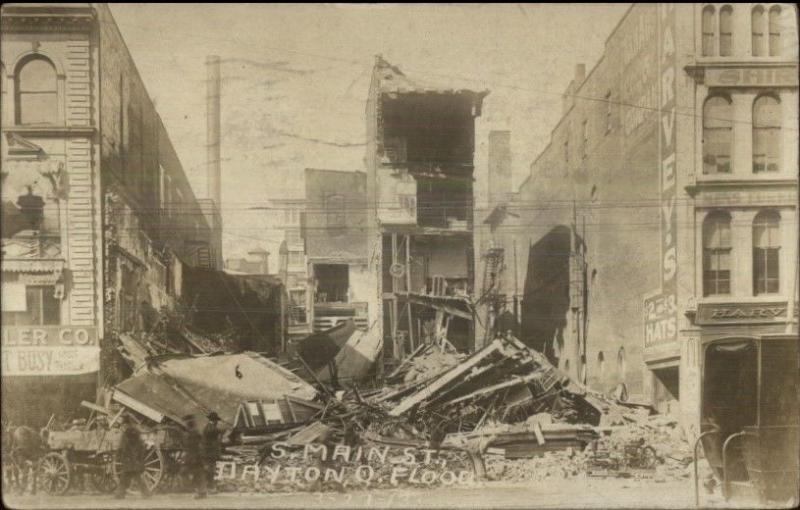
<point>501,413</point>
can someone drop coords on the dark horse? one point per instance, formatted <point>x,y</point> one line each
<point>25,449</point>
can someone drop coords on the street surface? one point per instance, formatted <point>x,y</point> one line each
<point>573,493</point>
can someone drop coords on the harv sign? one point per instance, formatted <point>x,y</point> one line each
<point>661,311</point>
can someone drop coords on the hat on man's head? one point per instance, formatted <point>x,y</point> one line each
<point>212,416</point>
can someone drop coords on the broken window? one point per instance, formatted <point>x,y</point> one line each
<point>766,134</point>
<point>333,283</point>
<point>717,135</point>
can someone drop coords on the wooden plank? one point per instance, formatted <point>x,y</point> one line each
<point>444,380</point>
<point>538,431</point>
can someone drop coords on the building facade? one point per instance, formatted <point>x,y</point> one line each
<point>419,162</point>
<point>334,232</point>
<point>98,217</point>
<point>661,216</point>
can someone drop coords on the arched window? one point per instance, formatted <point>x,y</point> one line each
<point>621,362</point>
<point>766,253</point>
<point>717,135</point>
<point>36,92</point>
<point>726,31</point>
<point>708,31</point>
<point>717,254</point>
<point>766,134</point>
<point>758,27</point>
<point>774,31</point>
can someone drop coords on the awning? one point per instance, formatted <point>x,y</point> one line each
<point>33,265</point>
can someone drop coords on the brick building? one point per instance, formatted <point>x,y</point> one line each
<point>98,216</point>
<point>661,218</point>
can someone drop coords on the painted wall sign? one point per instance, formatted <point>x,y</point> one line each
<point>661,311</point>
<point>49,350</point>
<point>741,313</point>
<point>752,76</point>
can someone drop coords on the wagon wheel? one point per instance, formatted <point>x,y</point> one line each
<point>153,467</point>
<point>172,480</point>
<point>55,473</point>
<point>648,458</point>
<point>103,478</point>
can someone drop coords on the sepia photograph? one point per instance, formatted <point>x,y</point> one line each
<point>428,255</point>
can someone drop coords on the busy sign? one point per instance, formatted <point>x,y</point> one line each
<point>49,350</point>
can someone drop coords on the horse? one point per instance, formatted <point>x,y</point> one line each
<point>26,447</point>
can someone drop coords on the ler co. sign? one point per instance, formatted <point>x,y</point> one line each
<point>49,350</point>
<point>661,311</point>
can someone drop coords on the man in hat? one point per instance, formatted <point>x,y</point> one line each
<point>193,457</point>
<point>212,449</point>
<point>131,454</point>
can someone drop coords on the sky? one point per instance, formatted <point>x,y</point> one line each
<point>295,79</point>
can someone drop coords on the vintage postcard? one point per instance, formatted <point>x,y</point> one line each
<point>400,255</point>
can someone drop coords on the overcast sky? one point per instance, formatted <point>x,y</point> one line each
<point>293,74</point>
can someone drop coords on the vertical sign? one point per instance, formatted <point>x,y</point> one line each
<point>667,155</point>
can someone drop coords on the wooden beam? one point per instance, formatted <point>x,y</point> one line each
<point>444,380</point>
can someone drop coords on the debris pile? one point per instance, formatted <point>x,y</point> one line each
<point>503,412</point>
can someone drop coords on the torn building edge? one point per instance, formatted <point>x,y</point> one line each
<point>394,81</point>
<point>174,386</point>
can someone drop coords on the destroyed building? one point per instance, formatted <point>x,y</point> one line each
<point>420,143</point>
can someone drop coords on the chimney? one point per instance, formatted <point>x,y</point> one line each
<point>499,166</point>
<point>214,191</point>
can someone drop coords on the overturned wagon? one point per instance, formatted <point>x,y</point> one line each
<point>90,452</point>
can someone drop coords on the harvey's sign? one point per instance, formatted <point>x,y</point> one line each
<point>49,350</point>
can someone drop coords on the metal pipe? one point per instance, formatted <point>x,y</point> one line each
<point>725,462</point>
<point>696,478</point>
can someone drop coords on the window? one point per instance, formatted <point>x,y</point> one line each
<point>622,367</point>
<point>608,112</point>
<point>584,138</point>
<point>758,22</point>
<point>717,254</point>
<point>335,211</point>
<point>297,306</point>
<point>708,31</point>
<point>601,363</point>
<point>774,31</point>
<point>725,31</point>
<point>36,92</point>
<point>766,253</point>
<point>766,134</point>
<point>41,308</point>
<point>717,135</point>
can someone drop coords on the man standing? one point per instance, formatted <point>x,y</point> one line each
<point>193,457</point>
<point>131,455</point>
<point>212,449</point>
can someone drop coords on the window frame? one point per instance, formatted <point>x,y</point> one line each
<point>708,39</point>
<point>762,49</point>
<point>774,46</point>
<point>776,131</point>
<point>726,9</point>
<point>19,318</point>
<point>717,253</point>
<point>708,130</point>
<point>19,91</point>
<point>769,219</point>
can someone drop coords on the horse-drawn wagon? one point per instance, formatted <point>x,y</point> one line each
<point>89,450</point>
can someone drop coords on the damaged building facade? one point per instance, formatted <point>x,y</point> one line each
<point>98,216</point>
<point>661,218</point>
<point>420,144</point>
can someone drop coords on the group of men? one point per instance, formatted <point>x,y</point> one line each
<point>201,449</point>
